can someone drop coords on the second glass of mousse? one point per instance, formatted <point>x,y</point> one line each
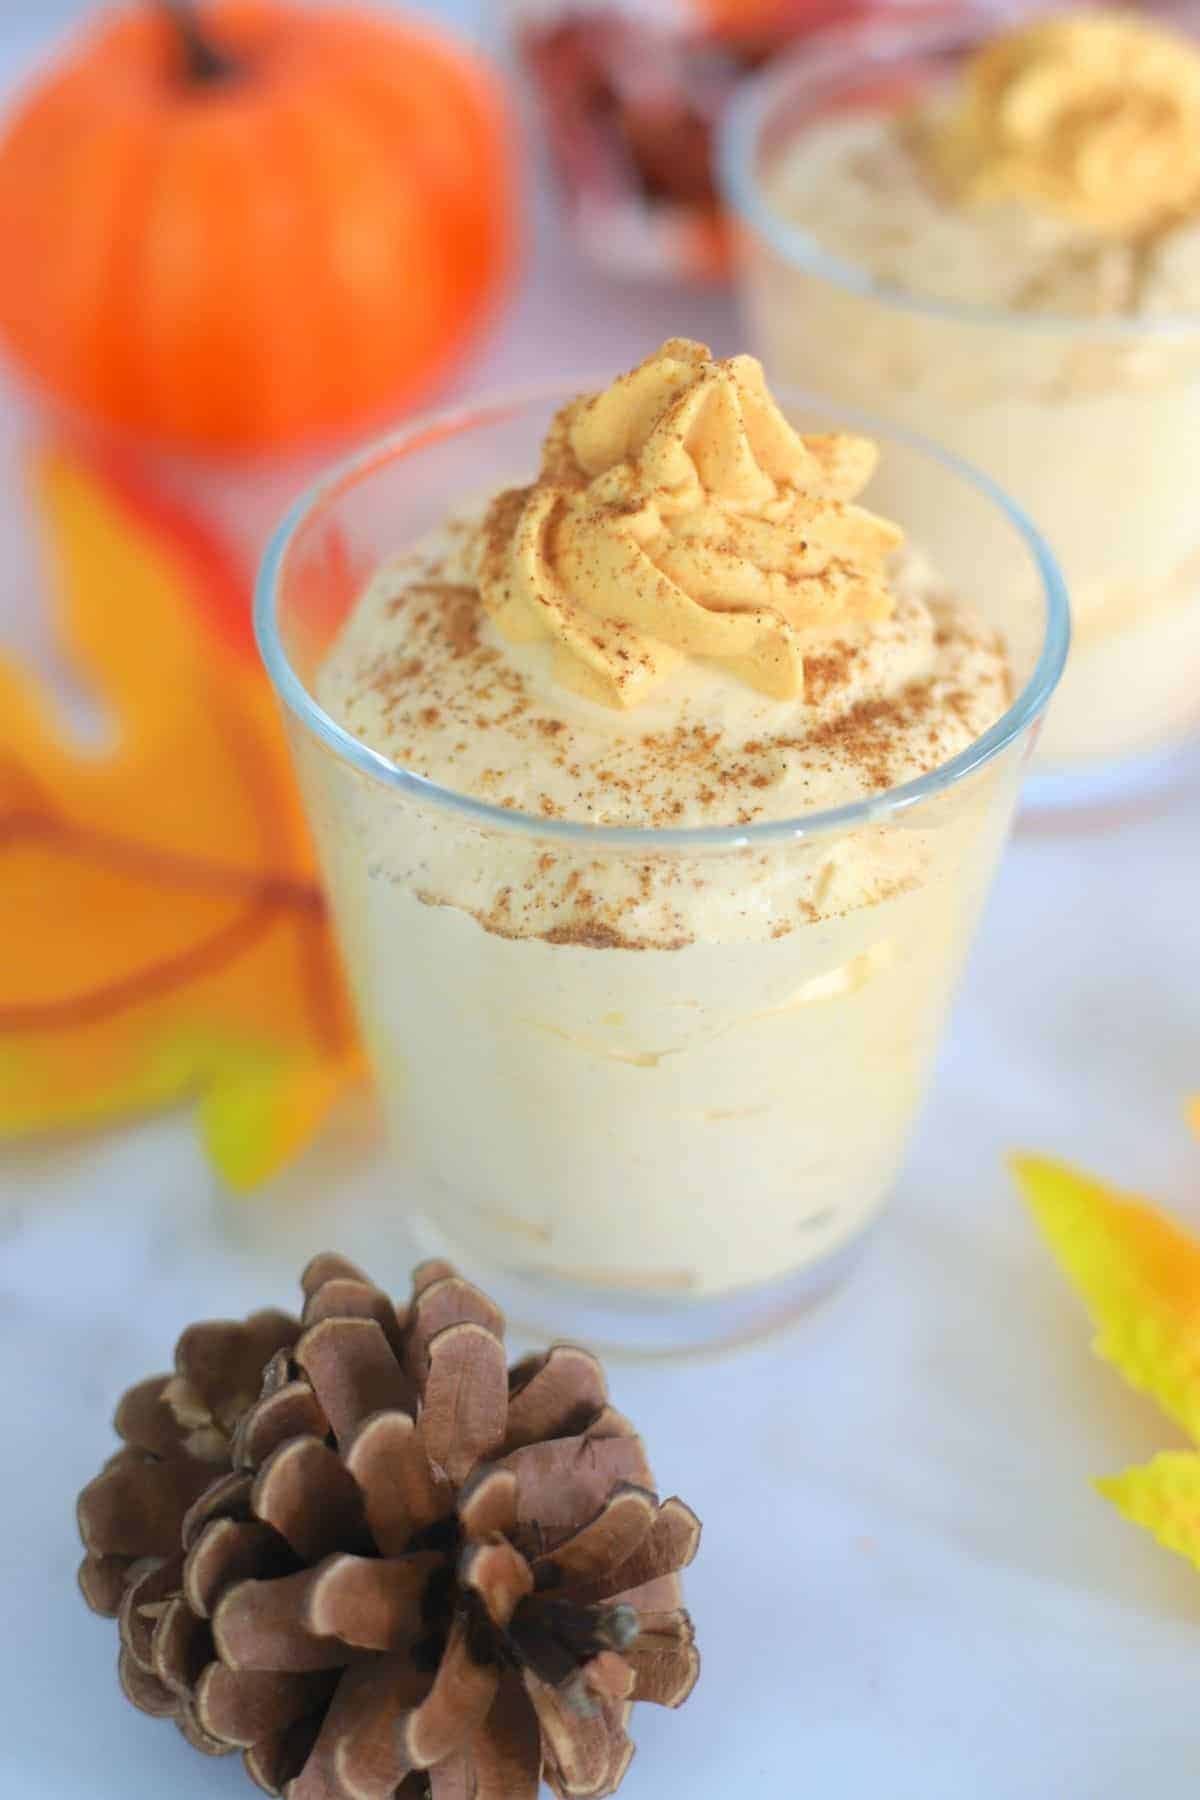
<point>658,782</point>
<point>994,236</point>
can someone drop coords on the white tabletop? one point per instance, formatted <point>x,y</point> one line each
<point>907,1586</point>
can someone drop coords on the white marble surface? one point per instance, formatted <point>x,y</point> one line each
<point>907,1586</point>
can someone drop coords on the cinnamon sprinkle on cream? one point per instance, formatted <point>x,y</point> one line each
<point>425,673</point>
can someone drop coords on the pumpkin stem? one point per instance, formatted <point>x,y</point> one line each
<point>204,61</point>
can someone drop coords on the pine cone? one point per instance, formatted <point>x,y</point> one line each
<point>382,1565</point>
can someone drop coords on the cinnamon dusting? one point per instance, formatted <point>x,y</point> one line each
<point>428,680</point>
<point>692,771</point>
<point>460,613</point>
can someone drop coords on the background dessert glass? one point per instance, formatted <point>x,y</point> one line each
<point>1091,424</point>
<point>657,1146</point>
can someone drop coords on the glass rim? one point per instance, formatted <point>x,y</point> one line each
<point>293,692</point>
<point>839,57</point>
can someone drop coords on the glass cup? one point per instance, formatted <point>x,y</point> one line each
<point>1091,424</point>
<point>652,1142</point>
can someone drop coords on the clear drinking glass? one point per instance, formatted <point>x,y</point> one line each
<point>1091,424</point>
<point>654,1146</point>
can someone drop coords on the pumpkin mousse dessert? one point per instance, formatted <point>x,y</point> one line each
<point>994,237</point>
<point>651,893</point>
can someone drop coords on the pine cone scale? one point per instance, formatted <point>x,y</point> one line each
<point>667,1547</point>
<point>145,1420</point>
<point>449,1300</point>
<point>144,1690</point>
<point>358,1755</point>
<point>487,1504</point>
<point>501,1577</point>
<point>568,1479</point>
<point>102,1582</point>
<point>353,1372</point>
<point>241,1708</point>
<point>143,1600</point>
<point>219,1365</point>
<point>607,1541</point>
<point>306,1493</point>
<point>227,1497</point>
<point>276,1760</point>
<point>196,1736</point>
<point>424,1276</point>
<point>368,1603</point>
<point>134,1507</point>
<point>507,1750</point>
<point>328,1268</point>
<point>387,1460</point>
<point>226,1552</point>
<point>260,1625</point>
<point>293,1410</point>
<point>355,1298</point>
<point>664,1672</point>
<point>459,1701</point>
<point>623,1755</point>
<point>581,1749</point>
<point>181,1648</point>
<point>464,1401</point>
<point>560,1398</point>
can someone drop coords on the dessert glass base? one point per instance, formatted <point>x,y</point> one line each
<point>353,1187</point>
<point>648,1326</point>
<point>670,1135</point>
<point>1090,791</point>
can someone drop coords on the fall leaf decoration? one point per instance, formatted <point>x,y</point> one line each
<point>1139,1276</point>
<point>162,933</point>
<point>360,1549</point>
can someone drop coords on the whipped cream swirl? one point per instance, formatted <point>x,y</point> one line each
<point>678,514</point>
<point>1092,116</point>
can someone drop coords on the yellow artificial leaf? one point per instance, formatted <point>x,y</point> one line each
<point>162,931</point>
<point>257,1114</point>
<point>1137,1271</point>
<point>1163,1496</point>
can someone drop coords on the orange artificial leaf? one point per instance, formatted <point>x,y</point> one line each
<point>162,932</point>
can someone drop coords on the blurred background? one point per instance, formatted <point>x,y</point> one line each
<point>132,513</point>
<point>30,23</point>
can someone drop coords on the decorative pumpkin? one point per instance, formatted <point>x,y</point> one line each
<point>254,225</point>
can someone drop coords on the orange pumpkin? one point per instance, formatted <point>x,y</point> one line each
<point>253,226</point>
